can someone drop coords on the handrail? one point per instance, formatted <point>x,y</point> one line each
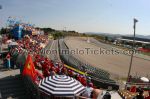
<point>75,70</point>
<point>101,80</point>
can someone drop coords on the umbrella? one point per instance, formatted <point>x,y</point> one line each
<point>61,85</point>
<point>144,79</point>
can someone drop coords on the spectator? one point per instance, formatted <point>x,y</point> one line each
<point>46,73</point>
<point>148,96</point>
<point>140,95</point>
<point>87,93</point>
<point>139,89</point>
<point>133,89</point>
<point>91,84</point>
<point>8,61</point>
<point>83,81</point>
<point>107,96</point>
<point>52,73</point>
<point>97,94</point>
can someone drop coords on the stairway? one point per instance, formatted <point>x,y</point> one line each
<point>12,87</point>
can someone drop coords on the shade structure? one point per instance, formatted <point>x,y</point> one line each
<point>61,85</point>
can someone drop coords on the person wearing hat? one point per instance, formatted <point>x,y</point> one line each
<point>107,95</point>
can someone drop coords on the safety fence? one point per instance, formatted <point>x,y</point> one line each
<point>99,77</point>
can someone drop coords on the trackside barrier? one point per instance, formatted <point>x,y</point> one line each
<point>101,80</point>
<point>78,71</point>
<point>75,63</point>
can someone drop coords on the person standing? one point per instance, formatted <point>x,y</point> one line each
<point>140,95</point>
<point>8,61</point>
<point>107,96</point>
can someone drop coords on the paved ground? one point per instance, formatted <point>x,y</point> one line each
<point>52,51</point>
<point>109,47</point>
<point>7,73</point>
<point>115,64</point>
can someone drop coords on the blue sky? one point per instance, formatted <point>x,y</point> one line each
<point>110,16</point>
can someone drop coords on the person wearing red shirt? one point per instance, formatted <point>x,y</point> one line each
<point>79,78</point>
<point>46,73</point>
<point>83,81</point>
<point>91,84</point>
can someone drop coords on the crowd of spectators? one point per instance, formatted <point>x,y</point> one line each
<point>44,66</point>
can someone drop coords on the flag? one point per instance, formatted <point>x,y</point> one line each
<point>133,89</point>
<point>29,68</point>
<point>0,6</point>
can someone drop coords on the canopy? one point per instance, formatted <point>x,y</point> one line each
<point>61,85</point>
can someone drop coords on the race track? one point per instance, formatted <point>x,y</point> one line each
<point>116,64</point>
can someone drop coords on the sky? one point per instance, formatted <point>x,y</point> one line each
<point>108,16</point>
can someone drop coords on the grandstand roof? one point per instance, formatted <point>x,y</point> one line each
<point>137,39</point>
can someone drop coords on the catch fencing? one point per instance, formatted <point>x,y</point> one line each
<point>99,77</point>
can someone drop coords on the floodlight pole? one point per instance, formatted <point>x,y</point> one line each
<point>133,50</point>
<point>0,7</point>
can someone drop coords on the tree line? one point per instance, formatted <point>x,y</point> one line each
<point>60,33</point>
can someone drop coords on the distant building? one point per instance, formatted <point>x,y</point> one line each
<point>17,32</point>
<point>140,43</point>
<point>137,40</point>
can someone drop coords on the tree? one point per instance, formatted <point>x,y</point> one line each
<point>57,34</point>
<point>3,31</point>
<point>106,38</point>
<point>47,30</point>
